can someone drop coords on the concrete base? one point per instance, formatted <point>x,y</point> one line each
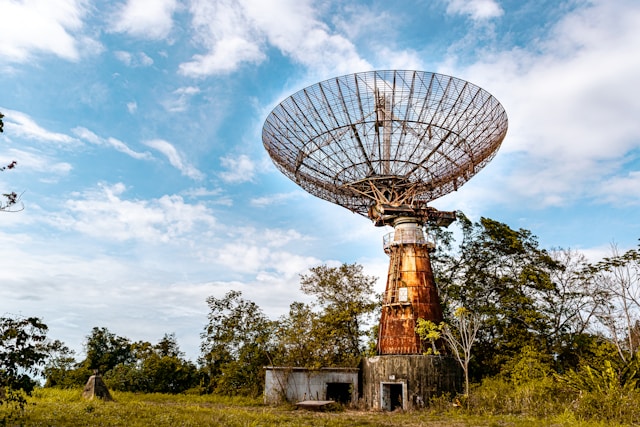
<point>408,382</point>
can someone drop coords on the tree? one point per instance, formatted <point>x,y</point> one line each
<point>460,337</point>
<point>137,367</point>
<point>23,351</point>
<point>106,350</point>
<point>156,368</point>
<point>617,280</point>
<point>344,304</point>
<point>168,346</point>
<point>60,368</point>
<point>236,344</point>
<point>502,275</point>
<point>571,308</point>
<point>296,340</point>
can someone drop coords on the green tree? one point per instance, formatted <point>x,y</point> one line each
<point>502,275</point>
<point>105,350</point>
<point>156,368</point>
<point>168,346</point>
<point>571,308</point>
<point>23,352</point>
<point>236,344</point>
<point>344,303</point>
<point>296,343</point>
<point>460,337</point>
<point>60,370</point>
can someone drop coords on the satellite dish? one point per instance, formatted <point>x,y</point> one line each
<point>384,144</point>
<point>384,138</point>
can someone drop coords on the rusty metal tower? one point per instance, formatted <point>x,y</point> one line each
<point>384,144</point>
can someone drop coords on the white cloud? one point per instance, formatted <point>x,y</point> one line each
<point>31,26</point>
<point>148,19</point>
<point>223,29</point>
<point>35,161</point>
<point>87,135</point>
<point>140,59</point>
<point>103,213</point>
<point>571,111</point>
<point>238,170</point>
<point>175,158</point>
<point>237,32</point>
<point>276,199</point>
<point>623,190</point>
<point>132,107</point>
<point>123,56</point>
<point>478,10</point>
<point>20,124</point>
<point>181,100</point>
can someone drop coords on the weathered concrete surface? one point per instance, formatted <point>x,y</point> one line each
<point>294,384</point>
<point>96,387</point>
<point>414,379</point>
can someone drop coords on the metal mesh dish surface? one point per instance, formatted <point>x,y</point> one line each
<point>397,136</point>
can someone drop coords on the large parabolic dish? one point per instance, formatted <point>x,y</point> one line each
<point>397,137</point>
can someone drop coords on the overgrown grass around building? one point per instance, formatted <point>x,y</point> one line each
<point>55,407</point>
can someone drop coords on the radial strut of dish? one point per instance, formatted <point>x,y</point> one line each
<point>394,138</point>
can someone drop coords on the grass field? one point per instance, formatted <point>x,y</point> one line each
<point>51,407</point>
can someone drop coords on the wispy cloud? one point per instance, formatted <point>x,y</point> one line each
<point>238,170</point>
<point>477,10</point>
<point>176,159</point>
<point>20,124</point>
<point>621,190</point>
<point>148,19</point>
<point>276,199</point>
<point>87,135</point>
<point>35,161</point>
<point>180,99</point>
<point>129,59</point>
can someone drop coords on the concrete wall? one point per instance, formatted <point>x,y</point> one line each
<point>298,384</point>
<point>412,379</point>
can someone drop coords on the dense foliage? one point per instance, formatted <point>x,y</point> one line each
<point>126,366</point>
<point>240,340</point>
<point>23,351</point>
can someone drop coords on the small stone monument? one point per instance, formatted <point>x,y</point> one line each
<point>96,387</point>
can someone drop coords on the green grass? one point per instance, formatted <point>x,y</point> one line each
<point>52,407</point>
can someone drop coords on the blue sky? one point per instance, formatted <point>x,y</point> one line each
<point>136,126</point>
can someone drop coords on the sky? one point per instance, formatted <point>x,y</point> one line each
<point>136,126</point>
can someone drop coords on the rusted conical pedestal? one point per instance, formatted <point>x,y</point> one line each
<point>411,291</point>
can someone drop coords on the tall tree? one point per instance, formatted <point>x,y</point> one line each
<point>105,350</point>
<point>236,343</point>
<point>502,275</point>
<point>344,303</point>
<point>617,280</point>
<point>23,352</point>
<point>571,307</point>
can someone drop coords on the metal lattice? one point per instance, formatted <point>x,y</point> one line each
<point>399,138</point>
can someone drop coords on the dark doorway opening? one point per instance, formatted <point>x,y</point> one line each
<point>392,396</point>
<point>339,392</point>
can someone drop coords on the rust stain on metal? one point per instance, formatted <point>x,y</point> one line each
<point>410,294</point>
